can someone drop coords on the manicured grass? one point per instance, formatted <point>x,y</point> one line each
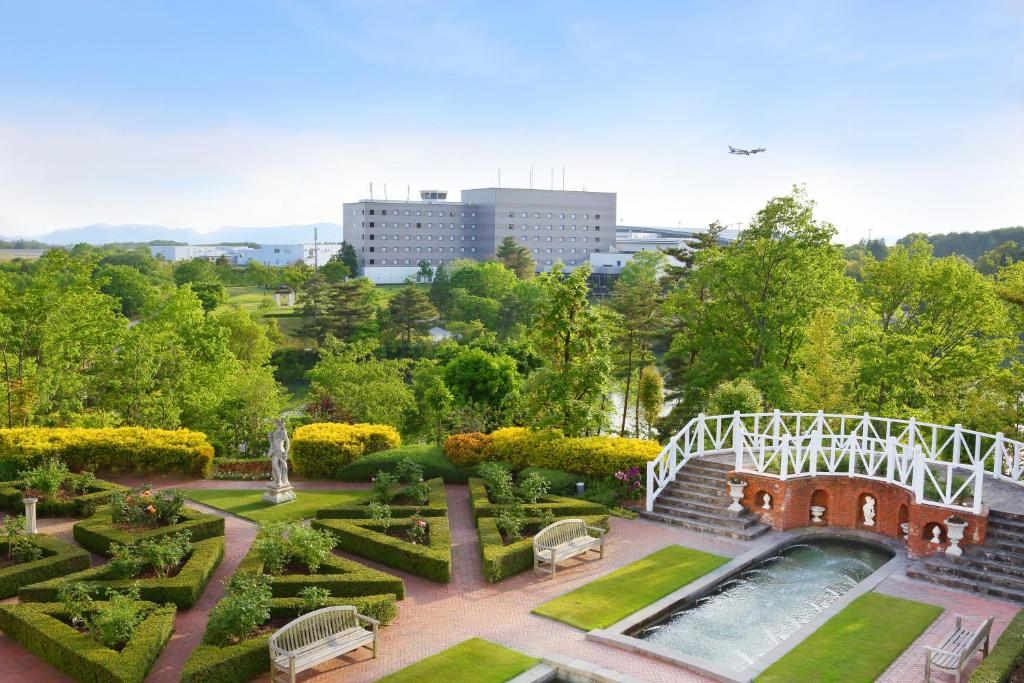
<point>248,503</point>
<point>433,459</point>
<point>858,644</point>
<point>603,602</point>
<point>471,661</point>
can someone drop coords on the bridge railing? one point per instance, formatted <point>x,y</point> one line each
<point>941,465</point>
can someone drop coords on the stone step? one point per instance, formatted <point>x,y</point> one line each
<point>918,571</point>
<point>1001,545</point>
<point>1002,515</point>
<point>697,486</point>
<point>982,553</point>
<point>697,502</point>
<point>717,517</point>
<point>743,534</point>
<point>707,467</point>
<point>691,491</point>
<point>992,572</point>
<point>715,509</point>
<point>709,479</point>
<point>1007,525</point>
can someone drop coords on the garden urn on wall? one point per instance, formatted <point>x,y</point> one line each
<point>736,487</point>
<point>955,527</point>
<point>817,512</point>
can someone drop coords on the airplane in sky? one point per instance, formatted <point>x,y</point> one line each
<point>745,152</point>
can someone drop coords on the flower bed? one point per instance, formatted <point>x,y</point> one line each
<point>41,629</point>
<point>245,469</point>
<point>368,538</point>
<point>250,658</point>
<point>97,532</point>
<point>500,560</point>
<point>182,589</point>
<point>437,506</point>
<point>560,506</point>
<point>62,505</point>
<point>59,558</point>
<point>342,577</point>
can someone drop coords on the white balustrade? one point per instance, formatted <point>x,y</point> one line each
<point>941,465</point>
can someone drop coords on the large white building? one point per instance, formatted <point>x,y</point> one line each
<point>267,254</point>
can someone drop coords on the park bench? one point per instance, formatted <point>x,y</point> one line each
<point>564,539</point>
<point>317,637</point>
<point>952,656</point>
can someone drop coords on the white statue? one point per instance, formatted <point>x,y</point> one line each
<point>279,489</point>
<point>767,502</point>
<point>869,511</point>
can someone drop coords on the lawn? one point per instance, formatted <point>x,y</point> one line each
<point>603,602</point>
<point>471,661</point>
<point>858,644</point>
<point>248,503</point>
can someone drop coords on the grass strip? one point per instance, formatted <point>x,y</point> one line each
<point>249,503</point>
<point>471,661</point>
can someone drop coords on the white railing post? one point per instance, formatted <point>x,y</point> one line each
<point>957,429</point>
<point>700,432</point>
<point>979,481</point>
<point>918,477</point>
<point>737,438</point>
<point>783,445</point>
<point>890,458</point>
<point>997,459</point>
<point>650,486</point>
<point>776,425</point>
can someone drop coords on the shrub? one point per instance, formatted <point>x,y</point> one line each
<point>245,607</point>
<point>419,492</point>
<point>417,529</point>
<point>278,544</point>
<point>366,538</point>
<point>164,554</point>
<point>501,561</point>
<point>383,483</point>
<point>409,471</point>
<point>596,456</point>
<point>511,519</point>
<point>45,480</point>
<point>83,493</point>
<point>113,624</point>
<point>732,395</point>
<point>432,458</point>
<point>498,480</point>
<point>319,449</point>
<point>98,532</point>
<point>480,503</point>
<point>436,506</point>
<point>380,512</point>
<point>140,506</point>
<point>533,487</point>
<point>125,560</point>
<point>53,558</point>
<point>562,483</point>
<point>75,599</point>
<point>466,450</point>
<point>250,469</point>
<point>313,598</point>
<point>1006,656</point>
<point>122,449</point>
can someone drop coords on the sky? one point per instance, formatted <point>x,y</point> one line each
<point>897,117</point>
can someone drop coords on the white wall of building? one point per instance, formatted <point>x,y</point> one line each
<point>390,275</point>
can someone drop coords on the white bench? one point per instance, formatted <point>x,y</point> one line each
<point>564,539</point>
<point>317,637</point>
<point>953,655</point>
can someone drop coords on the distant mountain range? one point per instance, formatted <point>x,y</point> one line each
<point>274,234</point>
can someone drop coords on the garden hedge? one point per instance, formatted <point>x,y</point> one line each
<point>596,456</point>
<point>437,506</point>
<point>59,558</point>
<point>319,449</point>
<point>12,493</point>
<point>562,483</point>
<point>431,458</point>
<point>97,532</point>
<point>1005,657</point>
<point>250,658</point>
<point>560,506</point>
<point>501,561</point>
<point>39,629</point>
<point>366,538</point>
<point>466,449</point>
<point>182,589</point>
<point>120,449</point>
<point>343,578</point>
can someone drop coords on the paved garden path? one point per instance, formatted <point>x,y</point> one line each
<point>435,616</point>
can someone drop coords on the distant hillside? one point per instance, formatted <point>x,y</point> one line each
<point>118,234</point>
<point>970,244</point>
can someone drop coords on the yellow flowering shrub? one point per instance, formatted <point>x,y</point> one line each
<point>596,456</point>
<point>466,450</point>
<point>319,449</point>
<point>112,449</point>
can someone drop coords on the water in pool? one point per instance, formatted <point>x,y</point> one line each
<point>754,610</point>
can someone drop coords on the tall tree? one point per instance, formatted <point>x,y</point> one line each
<point>826,370</point>
<point>425,272</point>
<point>362,385</point>
<point>349,308</point>
<point>411,313</point>
<point>650,397</point>
<point>516,258</point>
<point>349,258</point>
<point>441,290</point>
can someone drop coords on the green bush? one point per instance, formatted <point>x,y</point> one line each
<point>596,456</point>
<point>467,449</point>
<point>278,544</point>
<point>97,533</point>
<point>1005,657</point>
<point>367,538</point>
<point>183,589</point>
<point>82,505</point>
<point>59,558</point>
<point>240,613</point>
<point>432,458</point>
<point>250,658</point>
<point>437,506</point>
<point>39,628</point>
<point>501,561</point>
<point>319,449</point>
<point>562,483</point>
<point>480,503</point>
<point>343,578</point>
<point>121,449</point>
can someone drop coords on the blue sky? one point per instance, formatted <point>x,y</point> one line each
<point>897,116</point>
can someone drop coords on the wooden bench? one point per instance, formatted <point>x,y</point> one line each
<point>953,655</point>
<point>318,636</point>
<point>564,539</point>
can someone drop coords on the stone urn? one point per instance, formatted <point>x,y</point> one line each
<point>817,512</point>
<point>30,514</point>
<point>736,487</point>
<point>955,527</point>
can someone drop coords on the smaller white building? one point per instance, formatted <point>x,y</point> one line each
<point>267,254</point>
<point>210,252</point>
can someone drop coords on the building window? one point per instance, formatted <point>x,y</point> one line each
<point>383,212</point>
<point>597,227</point>
<point>371,212</point>
<point>524,238</point>
<point>549,215</point>
<point>406,261</point>
<point>371,250</point>
<point>524,214</point>
<point>371,239</point>
<point>586,216</point>
<point>371,224</point>
<point>418,212</point>
<point>371,262</point>
<point>419,225</point>
<point>536,215</point>
<point>597,239</point>
<point>573,216</point>
<point>597,216</point>
<point>511,226</point>
<point>278,251</point>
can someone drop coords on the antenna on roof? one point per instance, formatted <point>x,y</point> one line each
<point>406,193</point>
<point>385,191</point>
<point>499,178</point>
<point>552,177</point>
<point>371,192</point>
<point>316,252</point>
<point>531,176</point>
<point>563,179</point>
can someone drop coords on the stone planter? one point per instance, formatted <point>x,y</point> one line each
<point>736,487</point>
<point>955,531</point>
<point>817,513</point>
<point>30,514</point>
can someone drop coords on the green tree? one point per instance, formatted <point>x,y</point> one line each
<point>247,337</point>
<point>349,309</point>
<point>425,272</point>
<point>735,395</point>
<point>210,292</point>
<point>825,369</point>
<point>349,258</point>
<point>411,313</point>
<point>441,290</point>
<point>194,270</point>
<point>650,397</point>
<point>362,385</point>
<point>475,376</point>
<point>336,269</point>
<point>516,258</point>
<point>127,285</point>
<point>488,279</point>
<point>438,402</point>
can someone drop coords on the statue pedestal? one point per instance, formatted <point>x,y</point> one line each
<point>277,493</point>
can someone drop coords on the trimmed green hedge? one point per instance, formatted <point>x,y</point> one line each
<point>250,658</point>
<point>110,449</point>
<point>1005,657</point>
<point>319,449</point>
<point>343,578</point>
<point>12,493</point>
<point>560,506</point>
<point>562,483</point>
<point>437,506</point>
<point>501,561</point>
<point>183,589</point>
<point>366,537</point>
<point>97,532</point>
<point>432,459</point>
<point>39,629</point>
<point>59,558</point>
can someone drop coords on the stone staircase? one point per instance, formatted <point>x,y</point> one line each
<point>698,499</point>
<point>994,568</point>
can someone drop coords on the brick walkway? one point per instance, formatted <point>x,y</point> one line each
<point>435,616</point>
